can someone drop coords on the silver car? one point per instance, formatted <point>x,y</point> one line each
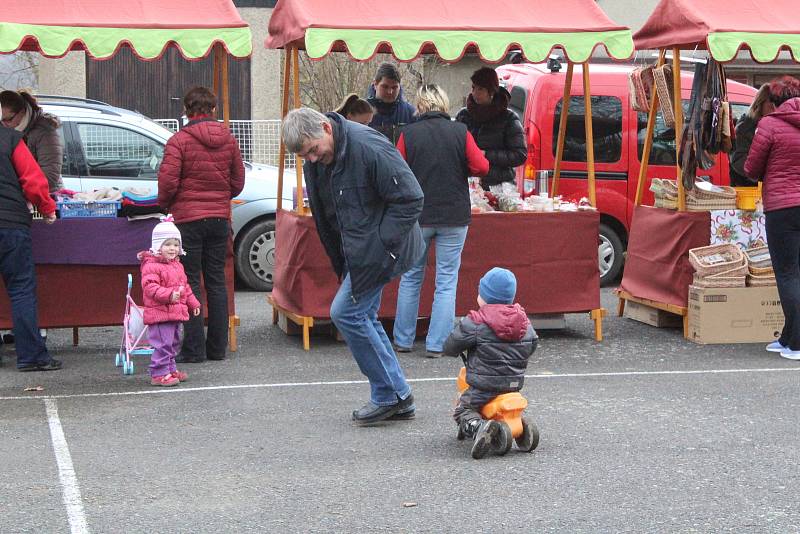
<point>106,146</point>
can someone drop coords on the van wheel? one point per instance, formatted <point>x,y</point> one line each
<point>609,252</point>
<point>255,256</point>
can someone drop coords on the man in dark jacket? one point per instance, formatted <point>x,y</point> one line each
<point>496,129</point>
<point>499,340</point>
<point>386,96</point>
<point>22,181</point>
<point>365,202</point>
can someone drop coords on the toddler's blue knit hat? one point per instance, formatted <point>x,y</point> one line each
<point>498,286</point>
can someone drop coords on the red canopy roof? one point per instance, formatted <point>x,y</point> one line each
<point>763,26</point>
<point>101,26</point>
<point>434,24</point>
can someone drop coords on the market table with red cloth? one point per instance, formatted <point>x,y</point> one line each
<point>82,268</point>
<point>553,255</point>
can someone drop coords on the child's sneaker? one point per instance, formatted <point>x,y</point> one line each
<point>180,375</point>
<point>484,437</point>
<point>165,380</point>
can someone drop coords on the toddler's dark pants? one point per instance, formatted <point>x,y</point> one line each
<point>470,404</point>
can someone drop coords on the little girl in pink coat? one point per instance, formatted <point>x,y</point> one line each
<point>168,298</point>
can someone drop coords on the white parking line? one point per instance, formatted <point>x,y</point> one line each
<point>162,391</point>
<point>66,473</point>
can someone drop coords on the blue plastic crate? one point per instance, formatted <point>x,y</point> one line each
<point>69,209</point>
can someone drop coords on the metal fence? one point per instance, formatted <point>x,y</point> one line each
<point>258,140</point>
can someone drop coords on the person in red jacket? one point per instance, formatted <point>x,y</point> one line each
<point>22,182</point>
<point>168,298</point>
<point>775,158</point>
<point>201,172</point>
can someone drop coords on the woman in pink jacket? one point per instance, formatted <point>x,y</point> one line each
<point>168,298</point>
<point>775,158</point>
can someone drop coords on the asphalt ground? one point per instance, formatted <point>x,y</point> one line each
<point>643,432</point>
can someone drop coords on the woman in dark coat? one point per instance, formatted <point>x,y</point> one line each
<point>745,130</point>
<point>39,131</point>
<point>443,155</point>
<point>496,129</point>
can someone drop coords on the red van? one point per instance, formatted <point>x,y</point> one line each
<point>536,96</point>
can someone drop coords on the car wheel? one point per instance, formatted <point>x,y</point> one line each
<point>255,256</point>
<point>610,254</point>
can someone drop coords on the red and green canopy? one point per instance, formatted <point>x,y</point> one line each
<point>764,27</point>
<point>449,29</point>
<point>101,27</point>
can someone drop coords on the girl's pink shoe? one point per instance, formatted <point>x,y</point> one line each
<point>180,375</point>
<point>165,380</point>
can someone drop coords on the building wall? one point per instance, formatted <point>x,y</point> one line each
<point>265,67</point>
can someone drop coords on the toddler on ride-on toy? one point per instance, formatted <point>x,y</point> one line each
<point>498,339</point>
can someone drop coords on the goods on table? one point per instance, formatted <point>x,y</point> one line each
<point>505,198</point>
<point>704,197</point>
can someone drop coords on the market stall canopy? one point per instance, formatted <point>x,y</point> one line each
<point>101,27</point>
<point>723,28</point>
<point>450,29</point>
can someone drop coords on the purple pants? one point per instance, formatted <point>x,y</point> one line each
<point>165,338</point>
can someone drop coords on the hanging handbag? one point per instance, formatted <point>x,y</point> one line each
<point>663,84</point>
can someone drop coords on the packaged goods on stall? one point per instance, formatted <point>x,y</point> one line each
<point>506,198</point>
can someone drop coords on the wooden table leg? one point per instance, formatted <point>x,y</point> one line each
<point>75,338</point>
<point>621,307</point>
<point>597,316</point>
<point>233,322</point>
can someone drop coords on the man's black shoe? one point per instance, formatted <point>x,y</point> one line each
<point>53,365</point>
<point>186,359</point>
<point>217,358</point>
<point>405,411</point>
<point>370,413</point>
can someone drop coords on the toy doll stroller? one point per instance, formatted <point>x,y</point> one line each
<point>134,334</point>
<point>507,409</point>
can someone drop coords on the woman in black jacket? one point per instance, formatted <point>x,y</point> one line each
<point>745,130</point>
<point>442,154</point>
<point>496,129</point>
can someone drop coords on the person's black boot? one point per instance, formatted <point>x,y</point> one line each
<point>483,437</point>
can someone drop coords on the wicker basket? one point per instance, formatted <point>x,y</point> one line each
<point>727,257</point>
<point>760,281</point>
<point>693,204</point>
<point>735,277</point>
<point>758,257</point>
<point>723,192</point>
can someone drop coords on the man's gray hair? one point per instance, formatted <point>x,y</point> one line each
<point>300,125</point>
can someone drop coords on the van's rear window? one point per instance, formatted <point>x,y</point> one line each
<point>606,128</point>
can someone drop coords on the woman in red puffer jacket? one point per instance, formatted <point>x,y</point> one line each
<point>201,172</point>
<point>775,158</point>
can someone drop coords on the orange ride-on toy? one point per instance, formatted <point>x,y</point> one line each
<point>507,409</point>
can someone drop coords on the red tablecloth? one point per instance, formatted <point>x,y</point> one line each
<point>553,255</point>
<point>71,294</point>
<point>657,267</point>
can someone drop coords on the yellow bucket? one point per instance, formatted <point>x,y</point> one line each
<point>746,197</point>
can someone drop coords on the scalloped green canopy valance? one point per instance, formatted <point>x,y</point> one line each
<point>102,43</point>
<point>451,45</point>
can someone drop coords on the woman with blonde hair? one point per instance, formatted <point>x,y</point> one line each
<point>745,129</point>
<point>355,109</point>
<point>443,155</point>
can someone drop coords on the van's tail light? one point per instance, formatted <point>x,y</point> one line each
<point>532,163</point>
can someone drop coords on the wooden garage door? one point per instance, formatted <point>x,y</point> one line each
<point>156,88</point>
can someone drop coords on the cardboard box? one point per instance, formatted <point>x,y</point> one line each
<point>652,316</point>
<point>734,315</point>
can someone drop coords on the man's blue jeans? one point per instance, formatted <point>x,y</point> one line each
<point>357,320</point>
<point>16,265</point>
<point>449,244</point>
